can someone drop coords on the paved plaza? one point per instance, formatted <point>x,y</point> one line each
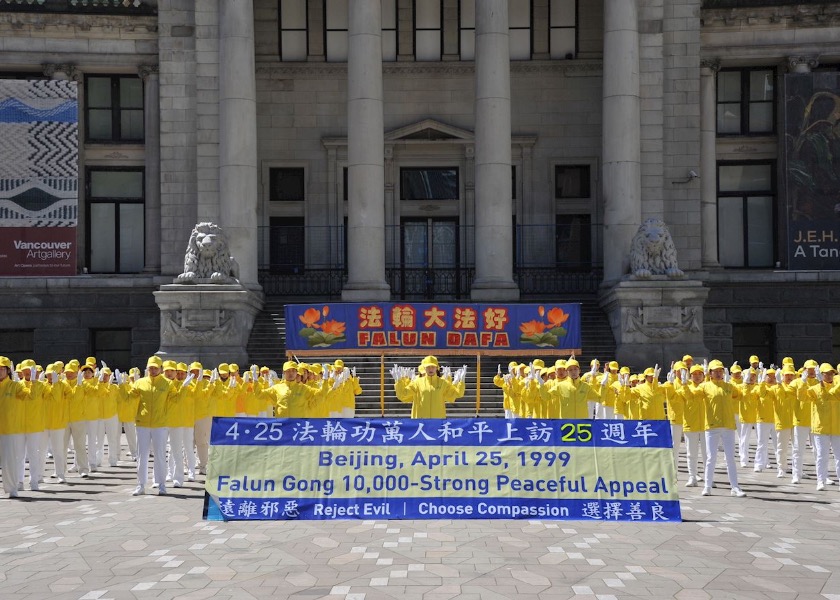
<point>91,539</point>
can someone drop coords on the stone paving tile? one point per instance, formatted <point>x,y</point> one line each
<point>91,539</point>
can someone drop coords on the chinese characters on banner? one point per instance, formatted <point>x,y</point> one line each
<point>436,468</point>
<point>386,326</point>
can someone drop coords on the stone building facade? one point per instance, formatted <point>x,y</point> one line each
<point>446,149</point>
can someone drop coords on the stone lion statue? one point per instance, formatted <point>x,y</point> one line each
<point>208,257</point>
<point>652,252</point>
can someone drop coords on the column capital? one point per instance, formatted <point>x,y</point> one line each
<point>712,65</point>
<point>146,71</point>
<point>66,71</point>
<point>802,64</point>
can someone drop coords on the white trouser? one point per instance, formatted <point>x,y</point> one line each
<point>762,450</point>
<point>11,451</point>
<point>800,439</point>
<point>202,441</point>
<point>348,412</point>
<point>112,430</point>
<point>181,452</point>
<point>131,437</point>
<point>149,438</point>
<point>32,446</point>
<point>508,414</point>
<point>726,437</point>
<point>744,442</point>
<point>592,407</point>
<point>77,431</point>
<point>175,463</point>
<point>822,445</point>
<point>94,454</point>
<point>782,443</point>
<point>607,412</point>
<point>676,440</point>
<point>56,439</point>
<point>695,443</point>
<point>335,414</point>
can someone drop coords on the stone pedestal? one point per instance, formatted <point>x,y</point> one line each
<point>656,321</point>
<point>207,322</point>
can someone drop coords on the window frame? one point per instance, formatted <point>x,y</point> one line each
<point>530,30</point>
<point>455,168</point>
<point>281,29</point>
<point>116,109</point>
<point>745,195</point>
<point>414,30</point>
<point>281,201</point>
<point>90,199</point>
<point>551,28</point>
<point>746,103</point>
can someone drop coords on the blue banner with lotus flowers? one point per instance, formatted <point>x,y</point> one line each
<point>378,327</point>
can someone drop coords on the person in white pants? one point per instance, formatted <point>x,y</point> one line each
<point>110,421</point>
<point>694,422</point>
<point>783,404</point>
<point>720,399</point>
<point>802,417</point>
<point>203,410</point>
<point>181,420</point>
<point>13,397</point>
<point>34,426</point>
<point>155,394</point>
<point>825,399</point>
<point>56,414</point>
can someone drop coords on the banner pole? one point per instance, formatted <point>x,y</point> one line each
<point>382,385</point>
<point>477,383</point>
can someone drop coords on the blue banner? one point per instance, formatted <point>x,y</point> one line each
<point>427,327</point>
<point>438,468</point>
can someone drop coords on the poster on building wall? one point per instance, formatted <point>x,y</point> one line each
<point>812,152</point>
<point>416,327</point>
<point>39,177</point>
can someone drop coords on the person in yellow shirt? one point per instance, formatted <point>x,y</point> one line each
<point>763,393</point>
<point>651,396</point>
<point>825,422</point>
<point>675,404</point>
<point>92,406</point>
<point>110,420</point>
<point>292,397</point>
<point>694,422</point>
<point>56,420</point>
<point>745,421</point>
<point>180,422</point>
<point>34,426</point>
<point>202,393</point>
<point>127,410</point>
<point>13,396</point>
<point>784,400</point>
<point>606,404</point>
<point>156,395</point>
<point>346,391</point>
<point>429,393</point>
<point>505,383</point>
<point>721,400</point>
<point>802,416</point>
<point>570,397</point>
<point>620,393</point>
<point>76,394</point>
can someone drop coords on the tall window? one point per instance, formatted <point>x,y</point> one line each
<point>112,346</point>
<point>428,32</point>
<point>389,30</point>
<point>335,34</point>
<point>286,185</point>
<point>746,208</point>
<point>519,24</point>
<point>573,226</point>
<point>114,108</point>
<point>753,338</point>
<point>293,32</point>
<point>745,101</point>
<point>287,244</point>
<point>115,220</point>
<point>563,28</point>
<point>571,181</point>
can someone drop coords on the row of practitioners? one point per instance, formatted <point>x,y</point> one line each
<point>709,405</point>
<point>171,405</point>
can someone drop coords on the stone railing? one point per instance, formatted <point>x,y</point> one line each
<point>141,7</point>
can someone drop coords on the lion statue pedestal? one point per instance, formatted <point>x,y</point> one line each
<point>655,312</point>
<point>206,314</point>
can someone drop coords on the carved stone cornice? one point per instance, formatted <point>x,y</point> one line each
<point>81,21</point>
<point>794,14</point>
<point>144,71</point>
<point>280,70</point>
<point>713,64</point>
<point>66,71</point>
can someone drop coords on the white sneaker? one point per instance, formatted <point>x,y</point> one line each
<point>53,475</point>
<point>190,477</point>
<point>829,482</point>
<point>737,492</point>
<point>706,491</point>
<point>73,469</point>
<point>138,491</point>
<point>780,474</point>
<point>60,480</point>
<point>177,484</point>
<point>83,475</point>
<point>169,478</point>
<point>692,482</point>
<point>820,486</point>
<point>162,491</point>
<point>757,470</point>
<point>795,480</point>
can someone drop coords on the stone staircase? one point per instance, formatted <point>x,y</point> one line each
<point>267,346</point>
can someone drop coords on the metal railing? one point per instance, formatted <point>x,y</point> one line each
<point>102,7</point>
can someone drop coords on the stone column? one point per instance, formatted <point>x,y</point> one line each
<point>365,156</point>
<point>238,135</point>
<point>151,129</point>
<point>621,135</point>
<point>493,234</point>
<point>708,163</point>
